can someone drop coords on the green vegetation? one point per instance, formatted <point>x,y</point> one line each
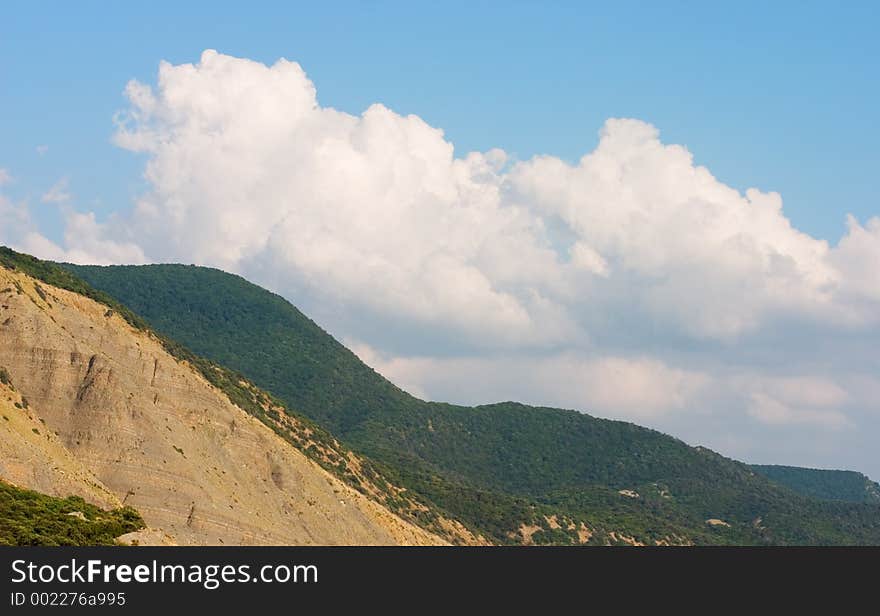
<point>494,467</point>
<point>847,486</point>
<point>31,518</point>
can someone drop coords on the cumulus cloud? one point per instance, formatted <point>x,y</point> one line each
<point>631,282</point>
<point>858,257</point>
<point>671,230</point>
<point>246,166</point>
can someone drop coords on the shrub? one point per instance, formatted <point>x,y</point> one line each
<point>32,518</point>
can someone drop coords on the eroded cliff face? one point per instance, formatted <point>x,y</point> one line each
<point>32,456</point>
<point>122,421</point>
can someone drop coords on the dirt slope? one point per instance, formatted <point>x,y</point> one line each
<point>123,416</point>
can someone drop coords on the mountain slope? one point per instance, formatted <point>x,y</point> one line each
<point>507,470</point>
<point>848,486</point>
<point>152,430</point>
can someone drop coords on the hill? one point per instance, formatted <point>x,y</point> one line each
<point>97,407</point>
<point>514,473</point>
<point>848,486</point>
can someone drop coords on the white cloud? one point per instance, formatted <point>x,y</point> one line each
<point>5,177</point>
<point>632,282</point>
<point>41,149</point>
<point>768,409</point>
<point>15,219</point>
<point>584,257</point>
<point>858,257</point>
<point>634,388</point>
<point>672,231</point>
<point>245,165</point>
<point>808,400</point>
<point>34,243</point>
<point>88,241</point>
<point>58,193</point>
<point>643,389</point>
<point>640,387</point>
<point>376,210</point>
<point>805,391</point>
<point>85,239</point>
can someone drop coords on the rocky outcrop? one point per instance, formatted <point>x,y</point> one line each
<point>122,421</point>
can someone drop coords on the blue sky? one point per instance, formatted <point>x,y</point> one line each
<point>781,95</point>
<point>629,284</point>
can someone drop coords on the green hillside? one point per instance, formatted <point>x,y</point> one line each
<point>848,486</point>
<point>495,467</point>
<point>32,518</point>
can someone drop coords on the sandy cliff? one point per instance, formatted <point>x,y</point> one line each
<point>121,421</point>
